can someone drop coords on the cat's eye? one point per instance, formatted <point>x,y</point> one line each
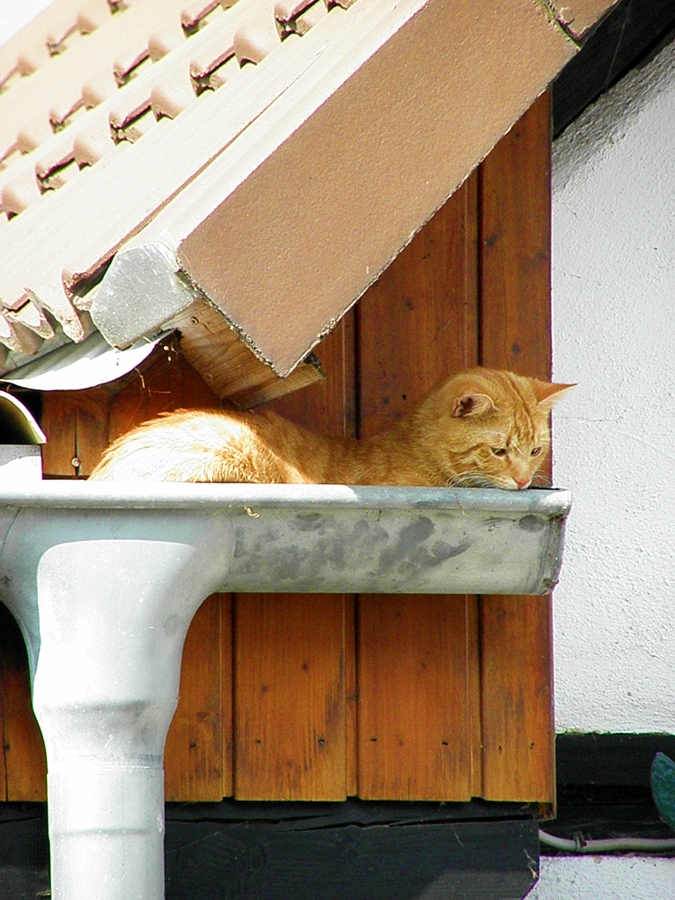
<point>536,451</point>
<point>499,451</point>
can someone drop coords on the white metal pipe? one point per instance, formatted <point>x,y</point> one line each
<point>113,615</point>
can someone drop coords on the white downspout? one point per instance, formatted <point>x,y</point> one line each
<point>113,615</point>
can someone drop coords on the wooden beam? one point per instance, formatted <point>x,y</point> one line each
<point>197,766</point>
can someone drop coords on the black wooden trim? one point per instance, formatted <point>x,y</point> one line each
<point>306,859</point>
<point>349,812</point>
<point>603,786</point>
<point>24,851</point>
<point>632,32</point>
<point>313,851</point>
<point>609,759</point>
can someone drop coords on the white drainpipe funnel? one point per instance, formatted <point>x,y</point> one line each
<point>116,592</point>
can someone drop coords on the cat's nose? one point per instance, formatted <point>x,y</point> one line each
<point>522,483</point>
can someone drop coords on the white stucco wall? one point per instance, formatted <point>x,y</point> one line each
<point>605,878</point>
<point>614,334</point>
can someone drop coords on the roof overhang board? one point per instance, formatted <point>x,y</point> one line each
<point>144,292</point>
<point>321,191</point>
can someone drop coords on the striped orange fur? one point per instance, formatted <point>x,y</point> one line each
<point>478,428</point>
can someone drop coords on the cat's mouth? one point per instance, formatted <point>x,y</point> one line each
<point>469,480</point>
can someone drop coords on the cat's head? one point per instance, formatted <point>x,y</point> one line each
<point>498,424</point>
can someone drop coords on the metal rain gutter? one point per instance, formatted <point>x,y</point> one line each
<point>105,579</point>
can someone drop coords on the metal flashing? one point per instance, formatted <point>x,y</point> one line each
<point>73,367</point>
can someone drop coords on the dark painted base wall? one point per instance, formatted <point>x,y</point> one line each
<point>603,786</point>
<point>342,851</point>
<point>620,759</point>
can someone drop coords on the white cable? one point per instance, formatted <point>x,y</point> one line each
<point>607,845</point>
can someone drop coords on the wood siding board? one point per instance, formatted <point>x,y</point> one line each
<point>516,634</point>
<point>194,747</point>
<point>289,697</point>
<point>3,720</point>
<point>59,425</point>
<point>413,711</point>
<point>516,247</point>
<point>293,660</point>
<point>351,695</point>
<point>165,383</point>
<point>91,437</point>
<point>474,693</point>
<point>227,691</point>
<point>518,738</point>
<point>471,279</point>
<point>23,754</point>
<point>416,325</point>
<point>328,405</point>
<point>472,327</point>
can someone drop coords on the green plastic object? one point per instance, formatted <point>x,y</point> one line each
<point>663,787</point>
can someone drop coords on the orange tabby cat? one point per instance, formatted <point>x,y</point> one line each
<point>479,428</point>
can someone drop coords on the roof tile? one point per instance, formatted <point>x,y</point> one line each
<point>17,337</point>
<point>33,318</point>
<point>19,193</point>
<point>257,39</point>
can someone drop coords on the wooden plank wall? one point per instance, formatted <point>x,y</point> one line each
<point>321,697</point>
<point>415,325</point>
<point>294,663</point>
<point>515,333</point>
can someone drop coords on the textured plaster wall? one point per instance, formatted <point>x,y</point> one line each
<point>614,333</point>
<point>605,878</point>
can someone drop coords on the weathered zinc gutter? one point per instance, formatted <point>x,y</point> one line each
<point>104,581</point>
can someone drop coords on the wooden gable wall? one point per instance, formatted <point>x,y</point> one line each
<point>307,697</point>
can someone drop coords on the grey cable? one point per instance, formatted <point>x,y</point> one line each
<point>607,845</point>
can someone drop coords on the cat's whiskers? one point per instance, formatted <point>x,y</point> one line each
<point>470,479</point>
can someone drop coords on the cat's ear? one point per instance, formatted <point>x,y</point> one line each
<point>472,404</point>
<point>548,394</point>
